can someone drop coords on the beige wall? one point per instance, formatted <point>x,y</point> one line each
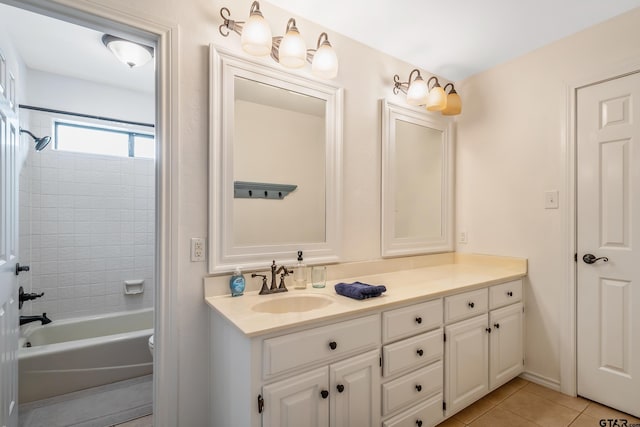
<point>510,148</point>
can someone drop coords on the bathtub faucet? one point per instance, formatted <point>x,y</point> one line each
<point>28,319</point>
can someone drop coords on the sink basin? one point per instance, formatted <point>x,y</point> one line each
<point>292,304</point>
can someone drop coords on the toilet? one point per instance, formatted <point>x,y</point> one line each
<point>151,345</point>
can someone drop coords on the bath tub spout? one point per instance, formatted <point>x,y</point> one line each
<point>28,319</point>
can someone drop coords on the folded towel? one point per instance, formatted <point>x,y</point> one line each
<point>358,290</point>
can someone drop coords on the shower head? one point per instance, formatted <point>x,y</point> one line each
<point>41,143</point>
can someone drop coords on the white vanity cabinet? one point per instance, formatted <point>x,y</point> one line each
<point>412,365</point>
<point>485,350</point>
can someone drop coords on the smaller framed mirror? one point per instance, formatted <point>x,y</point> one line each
<point>417,182</point>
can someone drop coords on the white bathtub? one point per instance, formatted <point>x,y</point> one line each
<point>74,354</point>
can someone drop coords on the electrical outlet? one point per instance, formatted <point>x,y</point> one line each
<point>197,249</point>
<point>551,199</point>
<point>463,237</point>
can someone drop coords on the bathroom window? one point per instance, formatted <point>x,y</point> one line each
<point>104,141</point>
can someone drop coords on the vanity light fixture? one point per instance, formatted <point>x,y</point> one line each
<point>131,53</point>
<point>433,97</point>
<point>289,50</point>
<point>454,103</point>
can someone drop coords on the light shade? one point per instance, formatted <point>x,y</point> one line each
<point>292,52</point>
<point>325,60</point>
<point>454,103</point>
<point>417,92</point>
<point>128,52</point>
<point>256,33</point>
<point>437,99</point>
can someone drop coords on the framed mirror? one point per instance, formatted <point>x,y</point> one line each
<point>275,165</point>
<point>417,181</point>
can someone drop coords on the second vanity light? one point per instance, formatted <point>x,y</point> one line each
<point>289,50</point>
<point>433,97</point>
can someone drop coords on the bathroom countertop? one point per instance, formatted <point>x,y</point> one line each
<point>465,272</point>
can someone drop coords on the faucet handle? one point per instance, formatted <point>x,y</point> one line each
<point>282,287</point>
<point>265,288</point>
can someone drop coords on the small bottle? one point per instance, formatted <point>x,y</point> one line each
<point>300,274</point>
<point>236,283</point>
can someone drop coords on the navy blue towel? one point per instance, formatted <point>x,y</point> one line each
<point>358,290</point>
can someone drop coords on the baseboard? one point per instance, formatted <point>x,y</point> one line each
<point>542,380</point>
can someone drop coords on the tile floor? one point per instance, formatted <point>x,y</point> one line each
<point>521,403</point>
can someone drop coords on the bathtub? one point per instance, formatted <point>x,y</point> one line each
<point>74,354</point>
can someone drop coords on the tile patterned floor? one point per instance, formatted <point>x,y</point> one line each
<point>521,403</point>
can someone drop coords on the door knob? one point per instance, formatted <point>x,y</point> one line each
<point>591,259</point>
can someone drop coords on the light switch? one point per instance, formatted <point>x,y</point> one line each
<point>463,237</point>
<point>551,199</point>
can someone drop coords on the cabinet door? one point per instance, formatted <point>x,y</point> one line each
<point>355,391</point>
<point>298,401</point>
<point>506,349</point>
<point>466,362</point>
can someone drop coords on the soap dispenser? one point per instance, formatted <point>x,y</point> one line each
<point>300,274</point>
<point>237,283</point>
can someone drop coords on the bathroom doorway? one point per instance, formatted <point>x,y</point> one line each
<point>89,209</point>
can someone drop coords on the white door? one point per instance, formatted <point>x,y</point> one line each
<point>301,401</point>
<point>466,351</point>
<point>8,249</point>
<point>608,191</point>
<point>355,391</point>
<point>505,345</point>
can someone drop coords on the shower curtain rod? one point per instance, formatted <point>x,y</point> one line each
<point>86,116</point>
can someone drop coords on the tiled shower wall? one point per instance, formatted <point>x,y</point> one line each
<point>87,226</point>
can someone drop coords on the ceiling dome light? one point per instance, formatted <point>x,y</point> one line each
<point>454,102</point>
<point>325,60</point>
<point>256,34</point>
<point>437,99</point>
<point>292,52</point>
<point>128,52</point>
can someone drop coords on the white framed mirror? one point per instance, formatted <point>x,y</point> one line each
<point>417,181</point>
<point>275,165</point>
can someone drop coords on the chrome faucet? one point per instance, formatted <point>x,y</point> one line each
<point>275,270</point>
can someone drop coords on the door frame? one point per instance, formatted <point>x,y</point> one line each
<point>165,34</point>
<point>568,318</point>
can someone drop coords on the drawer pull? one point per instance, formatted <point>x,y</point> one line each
<point>418,320</point>
<point>418,387</point>
<point>420,352</point>
<point>471,304</point>
<point>488,330</point>
<point>419,423</point>
<point>496,325</point>
<point>340,388</point>
<point>333,345</point>
<point>324,394</point>
<point>509,294</point>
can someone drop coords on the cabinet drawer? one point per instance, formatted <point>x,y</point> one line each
<point>462,306</point>
<point>325,343</point>
<point>407,321</point>
<point>426,414</point>
<point>505,294</point>
<point>412,352</point>
<point>412,387</point>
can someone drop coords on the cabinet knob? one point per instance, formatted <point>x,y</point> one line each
<point>418,320</point>
<point>419,423</point>
<point>471,304</point>
<point>333,345</point>
<point>418,387</point>
<point>340,388</point>
<point>324,394</point>
<point>496,325</point>
<point>509,294</point>
<point>488,330</point>
<point>420,352</point>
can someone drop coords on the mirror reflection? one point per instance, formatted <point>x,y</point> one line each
<point>418,183</point>
<point>278,138</point>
